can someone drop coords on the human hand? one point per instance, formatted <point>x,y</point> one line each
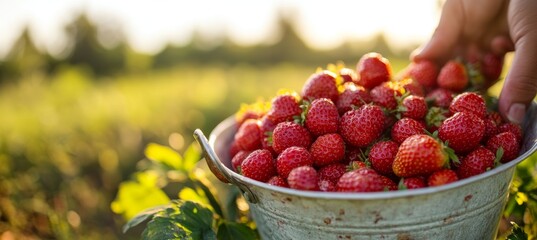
<point>473,28</point>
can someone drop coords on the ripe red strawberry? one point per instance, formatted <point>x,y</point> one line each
<point>440,97</point>
<point>288,134</point>
<point>414,107</point>
<point>291,158</point>
<point>509,144</point>
<point>462,132</point>
<point>266,126</point>
<point>491,66</point>
<point>476,162</point>
<point>277,181</point>
<point>385,95</point>
<point>248,136</point>
<point>453,76</point>
<point>381,156</point>
<point>490,129</point>
<point>511,127</point>
<point>353,96</point>
<point>373,70</point>
<point>326,186</point>
<point>332,172</point>
<point>412,183</point>
<point>237,160</point>
<point>348,75</point>
<point>420,155</point>
<point>284,108</point>
<point>496,117</point>
<point>249,114</point>
<point>303,178</point>
<point>258,165</point>
<point>321,85</point>
<point>322,117</point>
<point>362,126</point>
<point>469,102</point>
<point>362,180</point>
<point>327,149</point>
<point>234,148</point>
<point>424,72</point>
<point>442,177</point>
<point>406,127</point>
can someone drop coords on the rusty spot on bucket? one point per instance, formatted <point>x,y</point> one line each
<point>327,220</point>
<point>468,197</point>
<point>344,237</point>
<point>341,211</point>
<point>404,236</point>
<point>378,217</point>
<point>448,220</point>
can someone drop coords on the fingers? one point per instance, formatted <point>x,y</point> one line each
<point>520,85</point>
<point>444,41</point>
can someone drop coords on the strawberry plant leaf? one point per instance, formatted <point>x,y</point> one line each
<point>165,155</point>
<point>232,230</point>
<point>141,217</point>
<point>191,156</point>
<point>517,233</point>
<point>163,228</point>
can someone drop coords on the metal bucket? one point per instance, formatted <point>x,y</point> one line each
<point>467,209</point>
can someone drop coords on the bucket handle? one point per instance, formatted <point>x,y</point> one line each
<point>219,170</point>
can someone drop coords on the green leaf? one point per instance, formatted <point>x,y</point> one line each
<point>232,230</point>
<point>209,195</point>
<point>164,155</point>
<point>141,217</point>
<point>160,228</point>
<point>193,217</point>
<point>191,157</point>
<point>136,196</point>
<point>517,233</point>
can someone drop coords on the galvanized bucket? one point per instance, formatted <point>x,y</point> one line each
<point>467,209</point>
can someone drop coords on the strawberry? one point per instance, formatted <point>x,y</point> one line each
<point>362,126</point>
<point>511,127</point>
<point>353,96</point>
<point>442,177</point>
<point>234,148</point>
<point>469,102</point>
<point>373,70</point>
<point>303,178</point>
<point>237,160</point>
<point>321,85</point>
<point>277,181</point>
<point>509,144</point>
<point>476,162</point>
<point>327,149</point>
<point>288,134</point>
<point>284,108</point>
<point>332,172</point>
<point>440,97</point>
<point>348,75</point>
<point>412,183</point>
<point>381,156</point>
<point>362,180</point>
<point>249,114</point>
<point>326,186</point>
<point>453,76</point>
<point>385,95</point>
<point>248,136</point>
<point>266,126</point>
<point>413,107</point>
<point>258,165</point>
<point>490,129</point>
<point>322,117</point>
<point>291,158</point>
<point>420,155</point>
<point>496,117</point>
<point>424,72</point>
<point>491,66</point>
<point>462,132</point>
<point>406,127</point>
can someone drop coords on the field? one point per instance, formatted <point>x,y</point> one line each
<point>67,140</point>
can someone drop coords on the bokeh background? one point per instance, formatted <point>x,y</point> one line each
<point>86,85</point>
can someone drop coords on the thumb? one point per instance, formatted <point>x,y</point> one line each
<point>520,85</point>
<point>442,44</point>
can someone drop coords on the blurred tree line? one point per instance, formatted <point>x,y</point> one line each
<point>84,48</point>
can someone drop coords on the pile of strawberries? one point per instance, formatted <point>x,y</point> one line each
<point>366,130</point>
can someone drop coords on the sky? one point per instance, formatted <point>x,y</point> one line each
<point>150,24</point>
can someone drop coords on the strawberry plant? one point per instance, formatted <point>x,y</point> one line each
<point>196,213</point>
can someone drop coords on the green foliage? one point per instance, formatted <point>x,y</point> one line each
<point>196,214</point>
<point>517,233</point>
